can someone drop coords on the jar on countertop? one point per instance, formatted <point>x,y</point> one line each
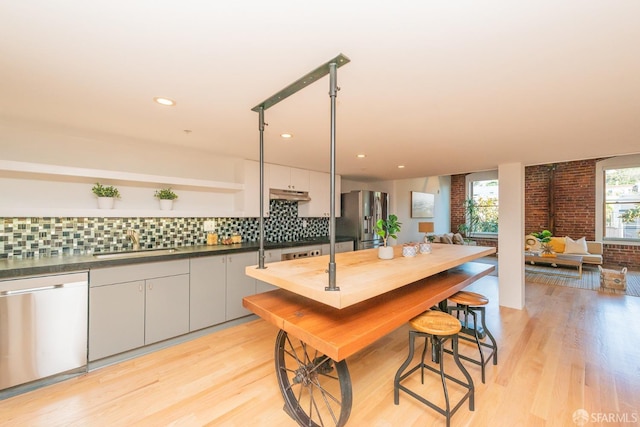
<point>212,238</point>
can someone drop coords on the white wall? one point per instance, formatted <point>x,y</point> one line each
<point>71,147</point>
<point>511,237</point>
<point>400,194</point>
<point>440,187</point>
<point>65,147</point>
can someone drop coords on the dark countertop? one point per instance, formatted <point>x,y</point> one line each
<point>10,268</point>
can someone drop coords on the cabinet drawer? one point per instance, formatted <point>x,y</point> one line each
<point>130,273</point>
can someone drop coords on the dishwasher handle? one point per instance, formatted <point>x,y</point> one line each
<point>42,283</point>
<point>30,290</point>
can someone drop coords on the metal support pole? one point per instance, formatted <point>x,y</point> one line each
<point>261,224</point>
<point>313,76</point>
<point>333,89</point>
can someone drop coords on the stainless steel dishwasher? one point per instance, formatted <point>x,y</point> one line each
<point>43,327</point>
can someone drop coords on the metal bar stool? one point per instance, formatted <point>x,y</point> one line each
<point>440,327</point>
<point>468,304</point>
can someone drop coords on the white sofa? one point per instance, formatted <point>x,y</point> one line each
<point>449,238</point>
<point>592,254</point>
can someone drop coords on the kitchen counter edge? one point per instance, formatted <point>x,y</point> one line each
<point>10,268</point>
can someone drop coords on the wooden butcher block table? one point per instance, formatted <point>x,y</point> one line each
<point>319,329</point>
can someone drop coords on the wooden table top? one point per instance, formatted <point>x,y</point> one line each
<point>339,333</point>
<point>361,275</point>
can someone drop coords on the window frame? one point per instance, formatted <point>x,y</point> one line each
<point>622,162</point>
<point>469,180</point>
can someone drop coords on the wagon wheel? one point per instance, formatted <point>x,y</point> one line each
<point>316,389</point>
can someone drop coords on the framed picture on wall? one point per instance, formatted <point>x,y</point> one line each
<point>422,205</point>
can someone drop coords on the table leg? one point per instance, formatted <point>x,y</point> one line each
<point>316,389</point>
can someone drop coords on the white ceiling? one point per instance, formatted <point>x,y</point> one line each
<point>438,86</point>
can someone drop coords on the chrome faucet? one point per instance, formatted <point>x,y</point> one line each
<point>135,239</point>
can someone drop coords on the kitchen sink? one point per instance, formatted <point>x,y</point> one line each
<point>135,254</point>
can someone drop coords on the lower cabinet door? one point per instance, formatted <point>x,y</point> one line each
<point>167,308</point>
<point>207,291</point>
<point>239,285</point>
<point>271,255</point>
<point>116,318</point>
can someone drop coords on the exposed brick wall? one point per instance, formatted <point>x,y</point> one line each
<point>622,256</point>
<point>487,242</point>
<point>536,198</point>
<point>575,199</point>
<point>574,206</point>
<point>458,192</point>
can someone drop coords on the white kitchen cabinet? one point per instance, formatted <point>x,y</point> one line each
<point>271,255</point>
<point>166,308</point>
<point>239,285</point>
<point>320,193</point>
<point>340,247</point>
<point>207,304</point>
<point>288,178</point>
<point>248,201</point>
<point>116,318</point>
<point>134,305</point>
<point>218,285</point>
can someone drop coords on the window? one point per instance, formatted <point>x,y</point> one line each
<point>482,203</point>
<point>622,203</point>
<point>618,200</point>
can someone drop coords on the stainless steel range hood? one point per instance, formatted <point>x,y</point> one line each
<point>298,196</point>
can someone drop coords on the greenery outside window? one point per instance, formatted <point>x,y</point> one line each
<point>622,203</point>
<point>482,195</point>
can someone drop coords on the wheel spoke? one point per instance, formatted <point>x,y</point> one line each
<point>316,389</point>
<point>324,394</point>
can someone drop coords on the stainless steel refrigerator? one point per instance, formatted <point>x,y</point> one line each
<point>360,210</point>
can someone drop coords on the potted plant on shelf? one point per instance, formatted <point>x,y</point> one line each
<point>386,228</point>
<point>106,195</point>
<point>166,197</point>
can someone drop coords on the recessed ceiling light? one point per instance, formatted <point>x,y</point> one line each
<point>361,156</point>
<point>400,166</point>
<point>286,135</point>
<point>164,101</point>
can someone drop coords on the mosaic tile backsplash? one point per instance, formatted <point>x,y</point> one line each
<point>39,237</point>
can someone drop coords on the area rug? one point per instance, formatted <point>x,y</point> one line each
<point>590,279</point>
<point>558,276</point>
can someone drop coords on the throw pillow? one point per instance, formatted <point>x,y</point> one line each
<point>557,244</point>
<point>457,239</point>
<point>531,243</point>
<point>576,246</point>
<point>446,239</point>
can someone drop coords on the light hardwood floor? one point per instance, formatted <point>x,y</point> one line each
<point>569,349</point>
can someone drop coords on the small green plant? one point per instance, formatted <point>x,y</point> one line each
<point>165,194</point>
<point>389,227</point>
<point>544,237</point>
<point>102,191</point>
<point>472,218</point>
